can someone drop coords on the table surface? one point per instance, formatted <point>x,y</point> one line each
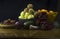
<point>4,33</point>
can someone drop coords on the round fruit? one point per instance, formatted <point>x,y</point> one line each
<point>30,6</point>
<point>21,17</point>
<point>26,15</point>
<point>30,16</point>
<point>44,10</point>
<point>6,22</point>
<point>38,11</point>
<point>17,23</point>
<point>12,21</point>
<point>22,13</point>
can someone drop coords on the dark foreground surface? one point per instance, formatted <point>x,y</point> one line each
<point>16,33</point>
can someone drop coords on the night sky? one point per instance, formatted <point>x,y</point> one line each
<point>12,8</point>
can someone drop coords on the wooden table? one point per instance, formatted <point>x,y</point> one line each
<point>16,33</point>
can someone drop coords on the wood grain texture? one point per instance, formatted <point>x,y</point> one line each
<point>11,33</point>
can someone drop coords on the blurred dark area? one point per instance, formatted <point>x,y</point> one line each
<point>12,8</point>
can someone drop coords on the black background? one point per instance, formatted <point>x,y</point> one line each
<point>12,8</point>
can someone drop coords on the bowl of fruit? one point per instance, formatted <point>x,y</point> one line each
<point>25,18</point>
<point>8,23</point>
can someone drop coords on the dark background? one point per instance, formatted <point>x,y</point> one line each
<point>12,8</point>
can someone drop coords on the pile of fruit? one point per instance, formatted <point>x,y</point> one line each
<point>44,19</point>
<point>9,22</point>
<point>27,13</point>
<point>40,19</point>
